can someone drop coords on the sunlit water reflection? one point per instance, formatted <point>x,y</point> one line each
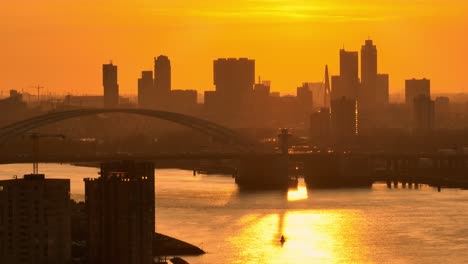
<point>375,225</point>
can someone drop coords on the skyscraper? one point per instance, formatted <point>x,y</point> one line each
<point>349,66</point>
<point>146,91</point>
<point>369,77</point>
<point>162,75</point>
<point>35,220</point>
<point>111,86</point>
<point>120,205</point>
<point>347,83</point>
<point>234,80</point>
<point>415,88</point>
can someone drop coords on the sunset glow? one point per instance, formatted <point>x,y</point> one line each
<point>62,44</point>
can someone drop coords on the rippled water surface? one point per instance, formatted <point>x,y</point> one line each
<point>376,225</point>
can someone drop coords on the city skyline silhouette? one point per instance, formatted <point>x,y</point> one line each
<point>249,131</point>
<point>291,41</point>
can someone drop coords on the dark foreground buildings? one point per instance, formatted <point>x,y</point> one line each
<point>35,220</point>
<point>120,205</point>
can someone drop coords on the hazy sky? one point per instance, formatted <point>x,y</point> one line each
<point>62,44</point>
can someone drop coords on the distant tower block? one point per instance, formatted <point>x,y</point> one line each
<point>111,86</point>
<point>162,74</point>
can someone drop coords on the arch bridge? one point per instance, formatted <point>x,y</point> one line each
<point>209,128</point>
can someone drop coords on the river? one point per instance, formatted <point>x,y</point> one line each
<point>375,225</point>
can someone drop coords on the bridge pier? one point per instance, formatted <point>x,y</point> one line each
<point>337,171</point>
<point>263,172</point>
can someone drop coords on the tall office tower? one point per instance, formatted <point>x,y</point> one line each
<point>344,119</point>
<point>320,127</point>
<point>35,220</point>
<point>146,91</point>
<point>414,88</point>
<point>382,89</point>
<point>369,78</point>
<point>349,64</point>
<point>423,114</point>
<point>120,205</point>
<point>305,98</point>
<point>162,75</point>
<point>234,80</point>
<point>347,84</point>
<point>111,87</point>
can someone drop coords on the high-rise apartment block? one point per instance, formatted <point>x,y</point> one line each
<point>120,205</point>
<point>35,220</point>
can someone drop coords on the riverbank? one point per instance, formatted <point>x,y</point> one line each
<point>164,245</point>
<point>207,169</point>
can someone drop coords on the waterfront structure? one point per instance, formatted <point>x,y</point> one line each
<point>423,114</point>
<point>111,86</point>
<point>35,220</point>
<point>146,91</point>
<point>320,127</point>
<point>162,75</point>
<point>120,205</point>
<point>415,88</point>
<point>344,120</point>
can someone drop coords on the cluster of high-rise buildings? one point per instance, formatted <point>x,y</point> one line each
<point>154,88</point>
<point>35,217</point>
<point>361,105</point>
<point>352,103</point>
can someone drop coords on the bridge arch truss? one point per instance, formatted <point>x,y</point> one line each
<point>207,127</point>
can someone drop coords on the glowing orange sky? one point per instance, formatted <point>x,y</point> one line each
<point>62,44</point>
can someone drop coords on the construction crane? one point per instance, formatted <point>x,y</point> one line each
<point>35,138</point>
<point>38,88</point>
